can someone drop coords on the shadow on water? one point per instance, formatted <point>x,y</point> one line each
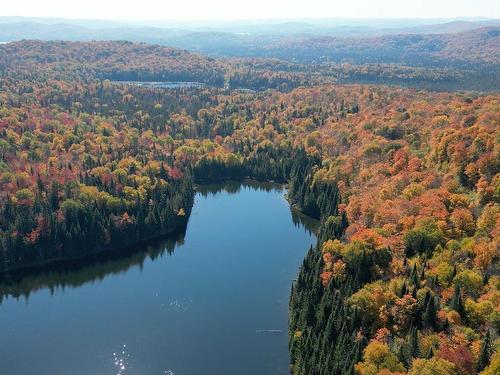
<point>234,187</point>
<point>75,273</point>
<point>299,219</point>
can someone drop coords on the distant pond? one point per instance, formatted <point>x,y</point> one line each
<point>165,85</point>
<point>179,85</point>
<point>214,301</point>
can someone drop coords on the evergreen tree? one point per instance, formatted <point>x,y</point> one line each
<point>414,277</point>
<point>413,344</point>
<point>456,302</point>
<point>429,316</point>
<point>430,353</point>
<point>404,290</point>
<point>485,354</point>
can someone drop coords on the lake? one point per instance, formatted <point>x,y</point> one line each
<point>178,85</point>
<point>164,85</point>
<point>212,302</point>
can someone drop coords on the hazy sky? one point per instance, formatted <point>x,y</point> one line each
<point>249,9</point>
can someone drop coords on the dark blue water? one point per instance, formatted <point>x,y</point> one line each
<point>216,304</point>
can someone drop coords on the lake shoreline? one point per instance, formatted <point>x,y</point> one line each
<point>239,239</point>
<point>61,264</point>
<point>91,257</point>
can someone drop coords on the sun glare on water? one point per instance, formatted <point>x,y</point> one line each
<point>121,362</point>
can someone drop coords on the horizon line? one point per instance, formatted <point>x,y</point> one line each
<point>180,19</point>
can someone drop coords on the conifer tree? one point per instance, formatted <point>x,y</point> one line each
<point>429,316</point>
<point>413,344</point>
<point>456,302</point>
<point>485,354</point>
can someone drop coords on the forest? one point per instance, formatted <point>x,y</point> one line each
<point>291,63</point>
<point>405,183</point>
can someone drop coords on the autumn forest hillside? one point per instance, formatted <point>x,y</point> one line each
<point>435,62</point>
<point>405,183</point>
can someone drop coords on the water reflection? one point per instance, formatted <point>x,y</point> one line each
<point>120,360</point>
<point>163,85</point>
<point>301,220</point>
<point>234,187</point>
<point>217,305</point>
<point>74,274</point>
